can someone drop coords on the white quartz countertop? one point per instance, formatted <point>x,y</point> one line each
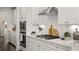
<point>74,44</point>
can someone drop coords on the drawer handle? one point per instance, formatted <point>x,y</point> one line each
<point>56,47</point>
<point>66,21</point>
<point>38,46</point>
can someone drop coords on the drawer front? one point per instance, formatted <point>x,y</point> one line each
<point>54,45</point>
<point>38,46</point>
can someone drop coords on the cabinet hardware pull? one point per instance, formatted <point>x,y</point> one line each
<point>56,47</point>
<point>66,22</point>
<point>38,46</point>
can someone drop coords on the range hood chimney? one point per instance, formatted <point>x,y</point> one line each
<point>49,11</point>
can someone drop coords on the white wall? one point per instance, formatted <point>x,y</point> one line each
<point>6,14</point>
<point>46,20</point>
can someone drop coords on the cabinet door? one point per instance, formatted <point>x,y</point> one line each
<point>29,44</point>
<point>21,12</point>
<point>36,46</point>
<point>32,44</point>
<point>46,48</point>
<point>25,12</point>
<point>68,15</point>
<point>31,48</point>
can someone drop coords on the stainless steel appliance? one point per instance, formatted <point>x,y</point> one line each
<point>23,25</point>
<point>48,37</point>
<point>23,33</point>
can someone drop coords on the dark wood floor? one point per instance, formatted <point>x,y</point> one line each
<point>10,47</point>
<point>6,47</point>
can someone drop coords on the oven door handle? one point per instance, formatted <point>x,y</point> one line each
<point>20,37</point>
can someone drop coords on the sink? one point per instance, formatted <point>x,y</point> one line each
<point>48,37</point>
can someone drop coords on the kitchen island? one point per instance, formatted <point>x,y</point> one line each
<point>39,44</point>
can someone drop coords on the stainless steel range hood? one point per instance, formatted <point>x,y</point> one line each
<point>49,11</point>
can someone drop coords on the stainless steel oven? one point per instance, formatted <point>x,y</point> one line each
<point>23,33</point>
<point>23,40</point>
<point>23,25</point>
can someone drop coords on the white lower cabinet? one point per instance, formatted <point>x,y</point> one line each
<point>46,48</point>
<point>34,44</point>
<point>37,46</point>
<point>28,44</point>
<point>31,46</point>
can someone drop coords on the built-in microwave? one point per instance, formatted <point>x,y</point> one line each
<point>23,25</point>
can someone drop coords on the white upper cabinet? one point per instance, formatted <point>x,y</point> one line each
<point>68,15</point>
<point>25,12</point>
<point>22,12</point>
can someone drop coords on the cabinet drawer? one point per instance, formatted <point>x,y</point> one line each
<point>44,45</point>
<point>57,47</point>
<point>54,45</point>
<point>61,48</point>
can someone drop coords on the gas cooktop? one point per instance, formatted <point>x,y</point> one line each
<point>47,37</point>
